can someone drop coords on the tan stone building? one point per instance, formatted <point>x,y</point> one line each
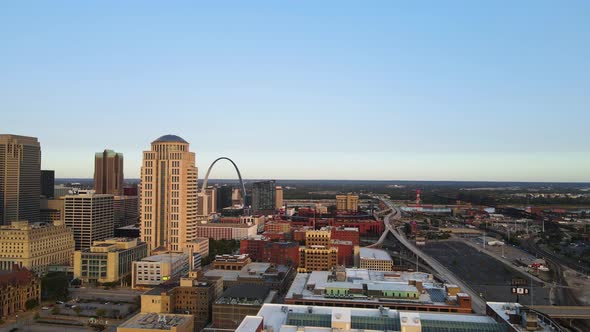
<point>348,202</point>
<point>318,254</point>
<point>35,246</point>
<point>108,172</point>
<point>317,258</point>
<point>20,174</point>
<point>279,197</point>
<point>153,322</point>
<point>16,288</point>
<point>168,194</point>
<point>375,259</point>
<point>109,260</point>
<point>192,296</point>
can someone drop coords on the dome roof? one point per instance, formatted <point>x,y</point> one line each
<point>170,138</point>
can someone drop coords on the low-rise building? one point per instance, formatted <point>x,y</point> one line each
<point>317,258</point>
<point>281,317</point>
<point>237,302</point>
<point>273,276</point>
<point>191,296</point>
<point>153,322</point>
<point>262,249</point>
<point>375,259</point>
<point>109,260</point>
<point>370,289</point>
<point>35,246</point>
<point>17,287</point>
<point>226,231</point>
<point>157,269</point>
<point>231,262</point>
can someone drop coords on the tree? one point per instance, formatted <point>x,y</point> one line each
<point>101,312</point>
<point>54,286</point>
<point>77,310</point>
<point>30,304</point>
<point>55,310</point>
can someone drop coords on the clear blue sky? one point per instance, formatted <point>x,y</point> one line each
<point>431,90</point>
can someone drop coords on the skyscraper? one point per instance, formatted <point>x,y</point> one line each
<point>20,171</point>
<point>223,198</point>
<point>263,196</point>
<point>47,183</point>
<point>90,216</point>
<point>168,194</point>
<point>108,172</point>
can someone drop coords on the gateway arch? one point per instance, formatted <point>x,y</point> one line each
<point>242,187</point>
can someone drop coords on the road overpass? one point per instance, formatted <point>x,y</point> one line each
<point>563,312</point>
<point>477,303</point>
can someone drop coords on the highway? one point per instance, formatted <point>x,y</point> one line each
<point>477,303</point>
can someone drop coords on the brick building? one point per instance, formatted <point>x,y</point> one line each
<point>16,288</point>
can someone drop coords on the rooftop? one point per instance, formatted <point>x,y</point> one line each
<point>288,318</point>
<point>153,321</point>
<point>316,285</point>
<point>163,257</point>
<point>170,139</point>
<point>378,254</point>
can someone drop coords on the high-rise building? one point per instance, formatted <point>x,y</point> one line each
<point>35,246</point>
<point>278,197</point>
<point>108,172</point>
<point>263,196</point>
<point>211,193</point>
<point>90,216</point>
<point>126,210</point>
<point>20,171</point>
<point>224,197</point>
<point>348,202</point>
<point>168,194</point>
<point>47,183</point>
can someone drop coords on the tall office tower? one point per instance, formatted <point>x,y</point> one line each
<point>90,216</point>
<point>211,193</point>
<point>108,172</point>
<point>20,171</point>
<point>279,197</point>
<point>168,194</point>
<point>47,183</point>
<point>263,196</point>
<point>224,197</point>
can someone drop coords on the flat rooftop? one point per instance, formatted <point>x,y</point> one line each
<point>153,321</point>
<point>313,286</point>
<point>290,318</point>
<point>163,257</point>
<point>377,254</point>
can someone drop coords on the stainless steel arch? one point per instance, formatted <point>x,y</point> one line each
<point>243,187</point>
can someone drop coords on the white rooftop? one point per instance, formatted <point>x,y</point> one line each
<point>377,254</point>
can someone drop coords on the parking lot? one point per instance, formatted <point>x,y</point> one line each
<point>483,273</point>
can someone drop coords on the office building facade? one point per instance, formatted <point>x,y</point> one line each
<point>20,171</point>
<point>168,194</point>
<point>47,183</point>
<point>90,216</point>
<point>109,260</point>
<point>263,197</point>
<point>35,245</point>
<point>108,172</point>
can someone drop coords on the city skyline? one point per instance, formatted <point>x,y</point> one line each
<point>430,91</point>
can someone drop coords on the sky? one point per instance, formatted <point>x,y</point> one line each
<point>375,90</point>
